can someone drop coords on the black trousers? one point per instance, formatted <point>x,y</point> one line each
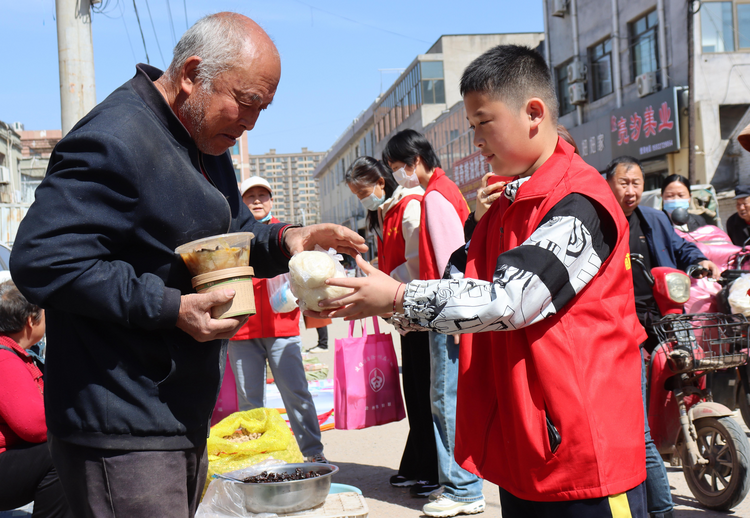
<point>419,460</point>
<point>323,337</point>
<point>27,475</point>
<point>628,504</point>
<point>113,483</point>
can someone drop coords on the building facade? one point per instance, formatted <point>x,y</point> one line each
<point>295,192</point>
<point>426,98</point>
<point>37,148</point>
<point>621,70</point>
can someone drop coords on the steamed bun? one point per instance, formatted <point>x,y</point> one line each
<point>308,274</point>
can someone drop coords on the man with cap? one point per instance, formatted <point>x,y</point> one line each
<point>738,224</point>
<point>275,337</point>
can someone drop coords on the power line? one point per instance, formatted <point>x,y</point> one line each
<point>171,24</point>
<point>122,17</point>
<point>361,23</point>
<point>141,29</point>
<point>155,36</point>
<point>184,5</point>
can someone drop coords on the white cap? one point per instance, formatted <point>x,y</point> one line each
<point>255,181</point>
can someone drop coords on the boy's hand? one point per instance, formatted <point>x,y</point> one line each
<point>373,295</point>
<point>486,195</point>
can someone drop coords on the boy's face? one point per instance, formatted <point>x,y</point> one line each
<point>502,134</point>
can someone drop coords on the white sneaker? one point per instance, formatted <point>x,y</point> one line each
<point>444,506</point>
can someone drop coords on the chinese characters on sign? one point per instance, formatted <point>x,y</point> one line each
<point>647,127</point>
<point>468,173</point>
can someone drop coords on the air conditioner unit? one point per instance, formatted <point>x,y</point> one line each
<point>559,8</point>
<point>646,83</point>
<point>4,174</point>
<point>576,71</point>
<point>577,93</point>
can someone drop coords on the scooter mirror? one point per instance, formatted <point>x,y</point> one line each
<point>679,216</point>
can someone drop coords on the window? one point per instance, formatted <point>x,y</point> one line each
<point>236,148</point>
<point>601,68</point>
<point>643,48</point>
<point>433,86</point>
<point>719,31</point>
<point>717,27</point>
<point>562,89</point>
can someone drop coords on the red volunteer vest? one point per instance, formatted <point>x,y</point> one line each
<point>580,366</point>
<point>428,268</point>
<point>266,323</point>
<point>392,248</point>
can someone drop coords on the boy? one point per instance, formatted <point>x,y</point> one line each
<point>549,403</point>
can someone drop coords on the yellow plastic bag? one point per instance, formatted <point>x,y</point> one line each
<point>277,441</point>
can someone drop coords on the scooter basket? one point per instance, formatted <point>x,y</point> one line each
<point>704,341</point>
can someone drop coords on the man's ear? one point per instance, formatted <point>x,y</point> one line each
<point>189,74</point>
<point>536,111</point>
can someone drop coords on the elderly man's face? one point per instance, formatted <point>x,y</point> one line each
<point>743,208</point>
<point>217,118</point>
<point>627,186</point>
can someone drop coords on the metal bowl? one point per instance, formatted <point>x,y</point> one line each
<point>290,496</point>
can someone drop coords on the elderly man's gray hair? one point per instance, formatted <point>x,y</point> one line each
<point>218,40</point>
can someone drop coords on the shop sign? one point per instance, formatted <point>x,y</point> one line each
<point>593,142</point>
<point>646,128</point>
<point>468,173</point>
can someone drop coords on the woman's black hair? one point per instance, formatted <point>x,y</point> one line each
<point>15,310</point>
<point>405,146</point>
<point>365,171</point>
<point>674,178</point>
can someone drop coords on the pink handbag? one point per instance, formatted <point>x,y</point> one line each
<point>367,390</point>
<point>227,402</point>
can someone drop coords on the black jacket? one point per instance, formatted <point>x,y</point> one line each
<point>96,250</point>
<point>737,229</point>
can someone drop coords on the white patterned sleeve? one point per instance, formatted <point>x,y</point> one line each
<point>531,282</point>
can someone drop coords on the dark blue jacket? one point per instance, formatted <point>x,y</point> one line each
<point>96,250</point>
<point>666,247</point>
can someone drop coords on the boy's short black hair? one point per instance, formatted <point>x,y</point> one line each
<point>512,74</point>
<point>629,161</point>
<point>405,146</point>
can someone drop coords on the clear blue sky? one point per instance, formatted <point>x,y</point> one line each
<point>331,51</point>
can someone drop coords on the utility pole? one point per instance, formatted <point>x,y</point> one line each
<point>75,51</point>
<point>691,95</point>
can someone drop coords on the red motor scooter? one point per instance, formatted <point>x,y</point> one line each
<point>687,426</point>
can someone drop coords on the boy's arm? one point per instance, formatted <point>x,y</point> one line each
<point>531,282</point>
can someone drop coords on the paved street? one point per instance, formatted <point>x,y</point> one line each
<point>367,458</point>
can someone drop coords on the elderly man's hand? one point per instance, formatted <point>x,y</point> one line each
<point>195,316</point>
<point>327,235</point>
<point>713,270</point>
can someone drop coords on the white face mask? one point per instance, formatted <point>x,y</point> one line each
<point>372,202</point>
<point>406,180</point>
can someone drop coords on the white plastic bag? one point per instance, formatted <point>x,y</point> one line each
<point>280,295</point>
<point>224,499</point>
<point>308,274</point>
<point>739,299</point>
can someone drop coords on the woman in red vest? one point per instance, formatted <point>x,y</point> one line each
<point>274,337</point>
<point>393,216</point>
<point>444,211</point>
<point>26,470</point>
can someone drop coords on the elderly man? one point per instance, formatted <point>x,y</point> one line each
<point>652,236</point>
<point>134,358</point>
<point>738,224</point>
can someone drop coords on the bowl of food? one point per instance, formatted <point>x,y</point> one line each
<point>216,252</point>
<point>285,488</point>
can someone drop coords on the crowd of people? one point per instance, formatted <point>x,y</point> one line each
<point>517,320</point>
